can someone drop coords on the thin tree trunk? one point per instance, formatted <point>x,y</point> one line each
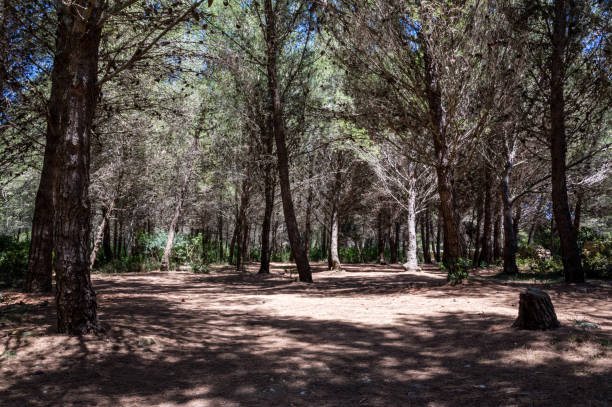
<point>486,251</point>
<point>438,238</point>
<point>412,263</point>
<point>335,258</point>
<point>102,232</point>
<point>381,238</point>
<point>276,111</point>
<point>220,237</point>
<point>427,233</point>
<point>71,113</point>
<point>165,263</point>
<point>477,237</point>
<point>509,240</point>
<point>577,213</point>
<point>497,248</point>
<point>570,254</point>
<point>242,224</point>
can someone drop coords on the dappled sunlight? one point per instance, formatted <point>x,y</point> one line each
<point>184,340</point>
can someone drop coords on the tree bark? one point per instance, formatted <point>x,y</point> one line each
<point>40,262</point>
<point>395,242</point>
<point>72,109</point>
<point>486,252</point>
<point>497,248</point>
<point>479,211</point>
<point>412,263</point>
<point>453,241</point>
<point>577,213</point>
<point>242,224</point>
<point>570,254</point>
<point>536,311</point>
<point>438,238</point>
<point>103,231</point>
<point>276,111</point>
<point>509,239</point>
<point>381,238</point>
<point>335,258</point>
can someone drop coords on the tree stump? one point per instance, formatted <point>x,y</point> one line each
<point>536,311</point>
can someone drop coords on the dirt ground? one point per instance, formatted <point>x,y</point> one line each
<point>370,336</point>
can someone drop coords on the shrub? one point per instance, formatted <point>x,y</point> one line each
<point>13,261</point>
<point>597,259</point>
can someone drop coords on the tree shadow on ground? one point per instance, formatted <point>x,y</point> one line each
<point>186,346</point>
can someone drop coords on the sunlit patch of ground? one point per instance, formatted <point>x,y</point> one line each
<point>370,335</point>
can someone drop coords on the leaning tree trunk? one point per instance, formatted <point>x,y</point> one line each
<point>165,263</point>
<point>570,253</point>
<point>276,111</point>
<point>510,246</point>
<point>103,230</point>
<point>412,263</point>
<point>536,311</point>
<point>40,262</point>
<point>71,113</point>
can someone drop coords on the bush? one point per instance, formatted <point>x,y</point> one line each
<point>597,259</point>
<point>13,261</point>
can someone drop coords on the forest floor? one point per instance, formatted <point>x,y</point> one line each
<point>370,336</point>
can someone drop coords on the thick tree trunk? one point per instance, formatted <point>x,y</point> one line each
<point>453,241</point>
<point>71,113</point>
<point>509,239</point>
<point>165,262</point>
<point>276,111</point>
<point>536,311</point>
<point>516,220</point>
<point>412,263</point>
<point>570,253</point>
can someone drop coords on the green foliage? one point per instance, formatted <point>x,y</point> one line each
<point>597,259</point>
<point>459,272</point>
<point>13,261</point>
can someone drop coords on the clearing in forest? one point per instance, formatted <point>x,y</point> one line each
<point>372,336</point>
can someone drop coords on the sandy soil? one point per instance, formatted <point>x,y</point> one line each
<point>369,336</point>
